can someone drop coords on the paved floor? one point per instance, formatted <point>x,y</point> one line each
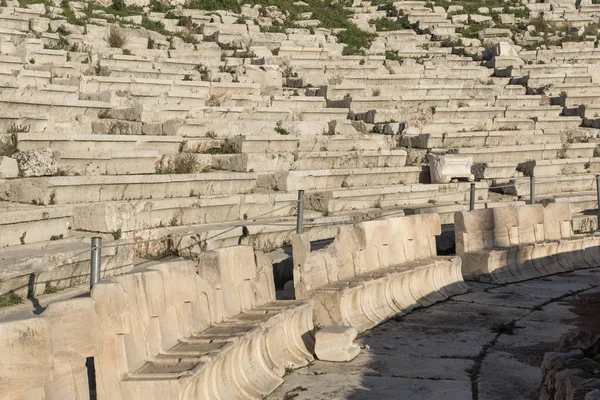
<point>487,344</point>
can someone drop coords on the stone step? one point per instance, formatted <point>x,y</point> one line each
<point>341,178</point>
<point>580,201</point>
<point>567,166</point>
<point>146,214</point>
<point>348,199</point>
<point>454,125</point>
<point>266,162</point>
<point>78,143</point>
<point>113,163</point>
<point>23,224</point>
<point>547,185</point>
<point>527,152</point>
<point>29,269</point>
<point>289,143</point>
<point>89,189</point>
<point>478,139</point>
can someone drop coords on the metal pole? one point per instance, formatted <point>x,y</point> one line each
<point>95,261</point>
<point>472,197</point>
<point>531,190</point>
<point>598,198</point>
<point>300,213</point>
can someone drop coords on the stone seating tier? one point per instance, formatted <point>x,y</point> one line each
<point>478,139</point>
<point>146,214</point>
<point>88,189</point>
<point>512,244</point>
<point>340,178</point>
<point>22,224</point>
<point>29,268</point>
<point>518,153</point>
<point>200,332</point>
<point>190,331</point>
<point>375,270</point>
<point>408,195</point>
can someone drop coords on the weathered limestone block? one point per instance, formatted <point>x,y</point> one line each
<point>36,163</point>
<point>444,167</point>
<point>335,343</point>
<point>9,168</point>
<point>26,362</point>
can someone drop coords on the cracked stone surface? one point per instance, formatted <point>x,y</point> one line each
<point>487,344</point>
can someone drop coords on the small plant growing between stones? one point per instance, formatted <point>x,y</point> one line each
<point>52,199</point>
<point>187,77</point>
<point>49,289</point>
<point>279,130</point>
<point>116,38</point>
<point>10,299</point>
<point>211,134</point>
<point>14,128</point>
<point>213,101</point>
<point>9,147</point>
<point>116,234</point>
<point>126,52</point>
<point>22,238</point>
<point>504,328</point>
<point>57,237</point>
<point>103,114</point>
<point>376,92</point>
<point>183,163</point>
<point>288,370</point>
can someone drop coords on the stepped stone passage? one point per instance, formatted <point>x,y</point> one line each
<point>198,197</point>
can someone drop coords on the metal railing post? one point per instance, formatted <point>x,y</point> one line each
<point>598,199</point>
<point>95,261</point>
<point>531,190</point>
<point>472,197</point>
<point>300,213</point>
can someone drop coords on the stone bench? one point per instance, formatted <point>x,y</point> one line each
<point>23,224</point>
<point>88,189</point>
<point>550,185</point>
<point>135,215</point>
<point>375,270</point>
<point>289,143</point>
<point>108,163</point>
<point>451,125</point>
<point>209,331</point>
<point>478,139</point>
<point>511,244</point>
<point>338,200</point>
<point>524,152</point>
<point>340,178</point>
<point>63,263</point>
<point>495,170</point>
<point>568,166</point>
<point>355,159</point>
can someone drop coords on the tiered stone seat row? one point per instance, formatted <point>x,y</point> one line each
<point>511,244</point>
<point>375,270</point>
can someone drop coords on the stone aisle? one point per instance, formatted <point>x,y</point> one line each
<point>487,344</point>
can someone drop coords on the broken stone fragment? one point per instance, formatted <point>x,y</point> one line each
<point>36,163</point>
<point>336,343</point>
